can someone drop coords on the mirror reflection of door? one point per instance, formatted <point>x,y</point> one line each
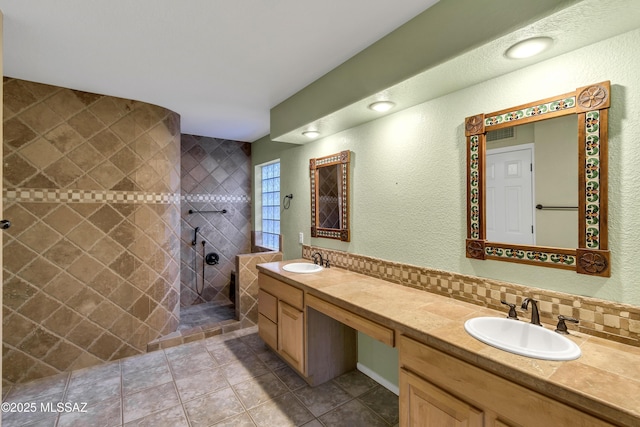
<point>329,196</point>
<point>554,184</point>
<point>509,195</point>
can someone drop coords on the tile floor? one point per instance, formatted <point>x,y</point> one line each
<point>226,380</point>
<point>204,314</point>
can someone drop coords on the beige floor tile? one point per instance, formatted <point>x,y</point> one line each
<point>95,374</point>
<point>144,361</point>
<point>383,402</point>
<point>255,342</point>
<point>290,378</point>
<point>49,386</point>
<point>188,386</point>
<point>270,359</point>
<point>185,350</point>
<point>230,351</point>
<point>259,390</point>
<point>242,420</point>
<point>106,413</point>
<point>213,408</point>
<point>134,381</point>
<point>203,382</point>
<point>146,402</point>
<point>189,365</point>
<point>91,392</point>
<point>282,411</point>
<point>19,419</point>
<point>323,398</point>
<point>244,369</point>
<point>172,417</point>
<point>355,383</point>
<point>352,414</point>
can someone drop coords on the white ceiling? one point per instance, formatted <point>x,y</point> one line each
<point>220,64</point>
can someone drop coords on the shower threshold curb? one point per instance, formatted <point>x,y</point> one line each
<point>194,334</point>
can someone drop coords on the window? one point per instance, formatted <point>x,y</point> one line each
<point>270,210</point>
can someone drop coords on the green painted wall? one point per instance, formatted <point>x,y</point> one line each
<point>408,174</point>
<point>434,36</point>
<point>379,358</point>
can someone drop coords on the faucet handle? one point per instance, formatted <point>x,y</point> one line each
<point>512,310</point>
<point>561,327</point>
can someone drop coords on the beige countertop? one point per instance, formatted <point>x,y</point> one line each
<point>605,380</point>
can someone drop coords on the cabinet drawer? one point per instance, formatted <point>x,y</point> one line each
<point>268,331</point>
<point>284,292</point>
<point>359,323</point>
<point>268,305</point>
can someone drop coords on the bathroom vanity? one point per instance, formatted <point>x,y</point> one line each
<point>446,376</point>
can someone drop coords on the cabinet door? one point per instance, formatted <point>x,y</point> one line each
<point>291,335</point>
<point>422,404</point>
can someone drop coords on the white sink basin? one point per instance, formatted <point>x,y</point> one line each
<point>302,267</point>
<point>522,338</point>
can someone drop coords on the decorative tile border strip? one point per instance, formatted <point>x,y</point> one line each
<point>218,198</point>
<point>474,192</point>
<point>46,195</point>
<point>605,319</point>
<point>86,196</point>
<point>592,179</point>
<point>518,254</point>
<point>537,110</point>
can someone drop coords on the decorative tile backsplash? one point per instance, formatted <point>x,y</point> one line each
<point>605,319</point>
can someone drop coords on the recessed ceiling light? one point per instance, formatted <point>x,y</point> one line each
<point>311,134</point>
<point>528,48</point>
<point>382,106</point>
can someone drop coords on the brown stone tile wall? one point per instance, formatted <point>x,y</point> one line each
<point>215,175</point>
<point>247,278</point>
<point>605,319</point>
<point>91,263</point>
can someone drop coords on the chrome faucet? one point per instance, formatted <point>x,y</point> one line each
<point>317,258</point>
<point>535,315</point>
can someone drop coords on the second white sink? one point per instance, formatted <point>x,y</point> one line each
<point>522,338</point>
<point>302,267</point>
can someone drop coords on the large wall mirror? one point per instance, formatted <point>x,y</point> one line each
<point>537,182</point>
<point>330,196</point>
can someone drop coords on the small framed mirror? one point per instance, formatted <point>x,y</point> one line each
<point>534,196</point>
<point>330,196</point>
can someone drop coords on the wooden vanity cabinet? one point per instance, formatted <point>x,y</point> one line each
<point>316,345</point>
<point>281,319</point>
<point>437,389</point>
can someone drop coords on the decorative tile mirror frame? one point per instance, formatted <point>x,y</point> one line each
<point>336,190</point>
<point>590,104</point>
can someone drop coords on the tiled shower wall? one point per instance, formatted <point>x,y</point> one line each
<point>247,276</point>
<point>215,176</point>
<point>91,262</point>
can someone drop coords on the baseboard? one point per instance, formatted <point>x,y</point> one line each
<point>377,378</point>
